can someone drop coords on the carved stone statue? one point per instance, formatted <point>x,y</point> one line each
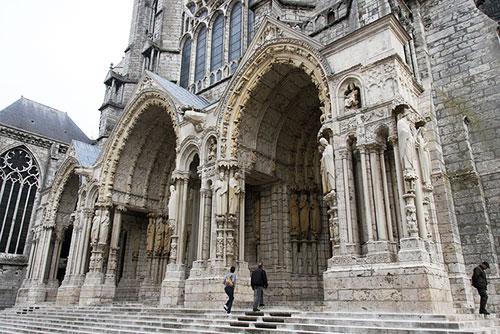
<point>256,219</point>
<point>294,217</point>
<point>167,239</point>
<point>234,194</point>
<point>150,234</point>
<point>351,97</point>
<point>304,216</point>
<point>160,230</point>
<point>195,117</point>
<point>424,157</point>
<point>220,190</point>
<point>327,166</point>
<point>94,233</point>
<point>315,218</point>
<point>406,138</point>
<point>172,201</point>
<point>212,149</point>
<point>105,225</point>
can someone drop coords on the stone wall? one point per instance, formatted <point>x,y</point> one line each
<point>464,48</point>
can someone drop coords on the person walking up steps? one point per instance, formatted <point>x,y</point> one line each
<point>229,284</point>
<point>259,283</point>
<point>480,283</point>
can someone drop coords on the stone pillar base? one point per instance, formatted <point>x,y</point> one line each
<point>91,291</point>
<point>205,286</point>
<point>172,287</point>
<point>108,289</point>
<point>31,292</point>
<point>69,291</point>
<point>388,287</point>
<point>149,291</point>
<point>413,249</point>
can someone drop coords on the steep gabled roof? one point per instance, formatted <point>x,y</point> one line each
<point>37,118</point>
<point>86,154</point>
<point>181,95</point>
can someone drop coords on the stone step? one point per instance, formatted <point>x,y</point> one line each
<point>136,318</point>
<point>292,319</point>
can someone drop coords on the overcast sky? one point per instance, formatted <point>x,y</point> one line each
<point>57,52</point>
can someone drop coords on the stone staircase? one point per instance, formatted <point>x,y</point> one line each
<point>139,319</point>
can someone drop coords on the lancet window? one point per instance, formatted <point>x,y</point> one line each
<point>201,42</point>
<point>185,63</point>
<point>235,32</point>
<point>217,51</point>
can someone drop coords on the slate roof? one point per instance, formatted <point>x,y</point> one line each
<point>34,117</point>
<point>182,95</point>
<point>86,154</point>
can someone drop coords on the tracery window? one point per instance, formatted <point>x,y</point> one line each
<point>185,63</point>
<point>251,25</point>
<point>19,182</point>
<point>235,32</point>
<point>217,43</point>
<point>201,42</point>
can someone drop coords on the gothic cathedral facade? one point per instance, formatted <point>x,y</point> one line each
<point>349,145</point>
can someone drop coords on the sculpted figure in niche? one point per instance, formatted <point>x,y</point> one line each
<point>160,230</point>
<point>327,166</point>
<point>351,97</point>
<point>212,149</point>
<point>315,218</point>
<point>256,219</point>
<point>234,194</point>
<point>424,157</point>
<point>94,233</point>
<point>105,225</point>
<point>304,216</point>
<point>294,217</point>
<point>220,190</point>
<point>406,138</point>
<point>150,234</point>
<point>172,208</point>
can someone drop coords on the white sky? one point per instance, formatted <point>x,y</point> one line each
<point>58,52</point>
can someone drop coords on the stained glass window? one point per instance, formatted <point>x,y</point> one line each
<point>235,32</point>
<point>201,42</point>
<point>185,63</point>
<point>217,43</point>
<point>19,182</point>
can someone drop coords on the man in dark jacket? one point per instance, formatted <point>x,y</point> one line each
<point>480,283</point>
<point>259,282</point>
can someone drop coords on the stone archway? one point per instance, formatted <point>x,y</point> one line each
<point>269,131</point>
<point>129,256</point>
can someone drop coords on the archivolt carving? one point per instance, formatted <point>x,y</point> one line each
<point>120,135</point>
<point>283,50</point>
<point>57,189</point>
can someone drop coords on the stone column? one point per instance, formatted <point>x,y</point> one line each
<point>385,186</point>
<point>88,214</point>
<point>202,223</point>
<point>348,214</point>
<point>181,225</point>
<point>378,194</point>
<point>109,288</point>
<point>366,195</point>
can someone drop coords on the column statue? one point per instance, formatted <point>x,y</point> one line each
<point>256,219</point>
<point>327,166</point>
<point>220,190</point>
<point>105,225</point>
<point>172,201</point>
<point>294,217</point>
<point>424,157</point>
<point>234,194</point>
<point>159,236</point>
<point>406,138</point>
<point>150,234</point>
<point>94,233</point>
<point>304,216</point>
<point>167,239</point>
<point>315,218</point>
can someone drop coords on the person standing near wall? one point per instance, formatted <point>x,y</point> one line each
<point>480,282</point>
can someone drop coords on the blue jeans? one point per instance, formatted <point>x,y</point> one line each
<point>259,297</point>
<point>230,293</point>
